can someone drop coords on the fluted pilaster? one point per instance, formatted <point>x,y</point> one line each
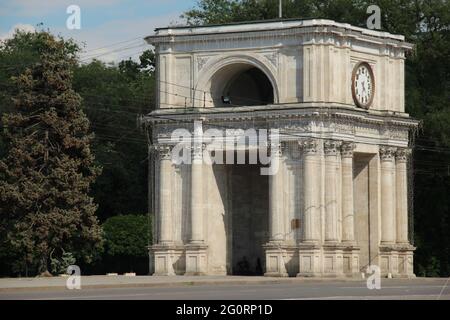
<point>348,215</point>
<point>276,195</point>
<point>164,156</point>
<point>402,195</point>
<point>388,216</point>
<point>311,191</point>
<point>331,149</point>
<point>197,205</point>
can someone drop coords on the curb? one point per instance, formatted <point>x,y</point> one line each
<point>205,282</point>
<point>183,284</point>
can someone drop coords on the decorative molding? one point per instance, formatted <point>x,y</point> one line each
<point>163,151</point>
<point>293,151</point>
<point>201,61</point>
<point>309,146</point>
<point>347,149</point>
<point>273,58</point>
<point>323,32</point>
<point>331,147</point>
<point>402,154</point>
<point>387,153</point>
<point>197,150</point>
<point>277,149</point>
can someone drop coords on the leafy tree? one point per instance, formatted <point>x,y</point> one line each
<point>427,25</point>
<point>114,96</point>
<point>60,265</point>
<point>48,167</point>
<point>126,241</point>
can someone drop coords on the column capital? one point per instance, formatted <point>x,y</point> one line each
<point>197,150</point>
<point>276,148</point>
<point>331,147</point>
<point>309,146</point>
<point>162,151</point>
<point>387,153</point>
<point>279,148</point>
<point>347,149</point>
<point>402,154</point>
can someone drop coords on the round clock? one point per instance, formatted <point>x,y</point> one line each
<point>363,85</point>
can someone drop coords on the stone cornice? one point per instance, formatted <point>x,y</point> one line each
<point>286,112</point>
<point>295,28</point>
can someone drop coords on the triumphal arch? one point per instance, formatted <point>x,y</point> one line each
<point>326,102</point>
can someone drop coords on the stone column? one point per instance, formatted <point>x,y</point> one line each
<point>197,195</point>
<point>348,215</point>
<point>402,195</point>
<point>274,250</point>
<point>311,176</point>
<point>404,248</point>
<point>165,199</point>
<point>332,252</point>
<point>388,249</point>
<point>310,259</point>
<point>350,250</point>
<point>388,218</point>
<point>276,197</point>
<point>196,250</point>
<point>162,251</point>
<point>331,212</point>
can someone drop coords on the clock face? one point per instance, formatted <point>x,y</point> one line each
<point>363,86</point>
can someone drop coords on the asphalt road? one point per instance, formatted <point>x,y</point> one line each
<point>392,289</point>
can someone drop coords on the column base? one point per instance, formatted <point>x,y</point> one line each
<point>277,259</point>
<point>351,266</point>
<point>309,260</point>
<point>196,260</point>
<point>406,261</point>
<point>389,261</point>
<point>332,260</point>
<point>167,259</point>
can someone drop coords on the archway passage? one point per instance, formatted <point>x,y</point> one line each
<point>241,85</point>
<point>250,220</point>
<point>250,88</point>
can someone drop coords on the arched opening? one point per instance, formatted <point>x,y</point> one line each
<point>241,84</point>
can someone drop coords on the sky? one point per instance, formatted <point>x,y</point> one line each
<point>111,30</point>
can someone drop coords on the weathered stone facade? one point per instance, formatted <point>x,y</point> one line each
<point>339,201</point>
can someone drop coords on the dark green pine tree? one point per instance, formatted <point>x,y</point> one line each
<point>48,169</point>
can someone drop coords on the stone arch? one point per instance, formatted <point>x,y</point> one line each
<point>217,74</point>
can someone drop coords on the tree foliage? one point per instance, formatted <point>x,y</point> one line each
<point>126,241</point>
<point>113,97</point>
<point>127,236</point>
<point>48,167</point>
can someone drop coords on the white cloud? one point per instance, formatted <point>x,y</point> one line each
<point>19,26</point>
